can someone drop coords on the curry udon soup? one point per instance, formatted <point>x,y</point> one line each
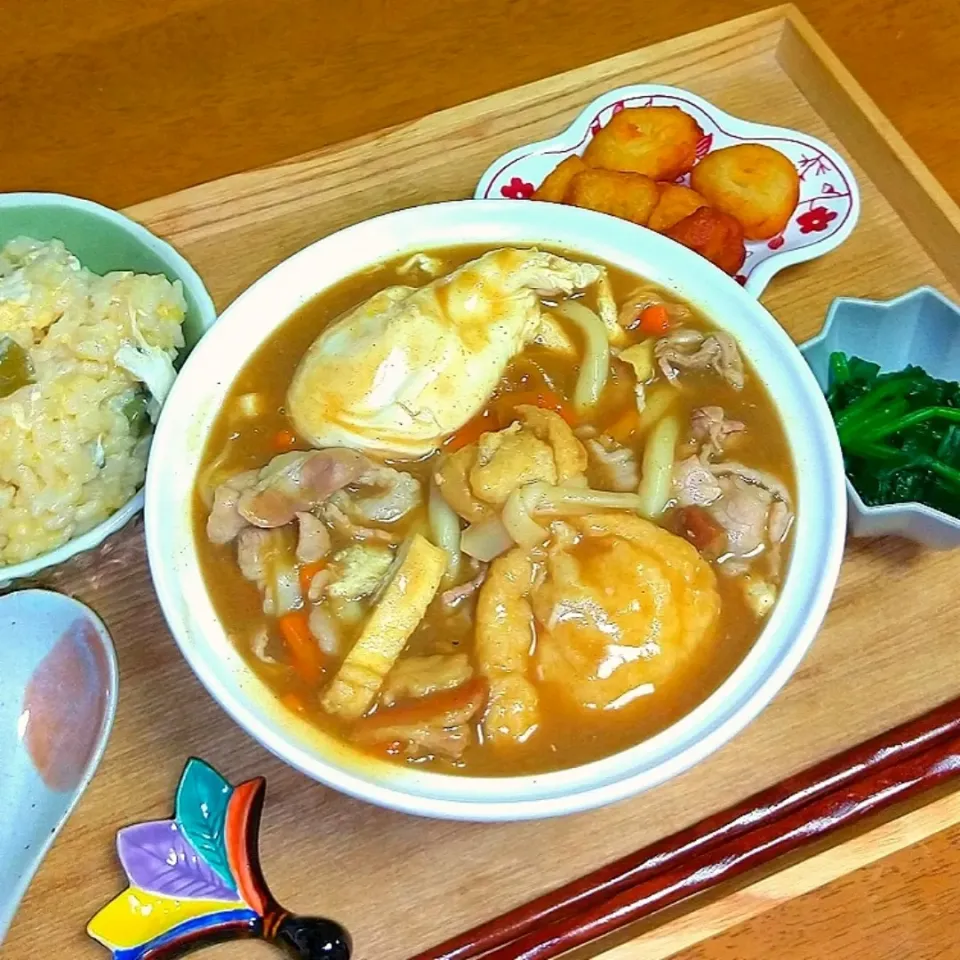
<point>495,511</point>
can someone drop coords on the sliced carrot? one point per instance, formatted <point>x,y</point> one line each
<point>308,571</point>
<point>654,320</point>
<point>470,432</point>
<point>305,655</point>
<point>625,425</point>
<point>422,710</point>
<point>697,526</point>
<point>285,440</point>
<point>294,702</point>
<point>505,405</point>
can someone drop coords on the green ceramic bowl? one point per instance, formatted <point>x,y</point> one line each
<point>103,240</point>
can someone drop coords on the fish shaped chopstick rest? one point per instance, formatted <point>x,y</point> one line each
<point>196,880</point>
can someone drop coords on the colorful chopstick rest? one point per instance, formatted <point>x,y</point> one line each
<point>196,880</point>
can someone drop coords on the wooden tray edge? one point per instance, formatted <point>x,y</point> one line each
<point>919,199</point>
<point>729,909</point>
<point>929,213</point>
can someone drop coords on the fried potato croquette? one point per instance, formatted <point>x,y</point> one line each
<point>676,202</point>
<point>631,196</point>
<point>660,142</point>
<point>557,182</point>
<point>714,235</point>
<point>754,183</point>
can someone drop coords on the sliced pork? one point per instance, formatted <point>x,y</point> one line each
<point>225,522</point>
<point>313,538</point>
<point>694,485</point>
<point>687,349</point>
<point>294,484</point>
<point>341,524</point>
<point>611,466</point>
<point>297,482</point>
<point>752,508</point>
<point>392,494</point>
<point>742,511</point>
<point>456,595</point>
<point>711,428</point>
<point>760,478</point>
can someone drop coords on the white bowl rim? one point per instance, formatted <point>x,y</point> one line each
<point>905,509</point>
<point>491,799</point>
<point>93,537</point>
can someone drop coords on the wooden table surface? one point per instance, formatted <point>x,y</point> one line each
<point>121,102</point>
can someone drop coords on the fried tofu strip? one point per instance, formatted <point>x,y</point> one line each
<point>504,639</point>
<point>396,616</point>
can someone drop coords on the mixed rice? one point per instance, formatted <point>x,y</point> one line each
<point>84,362</point>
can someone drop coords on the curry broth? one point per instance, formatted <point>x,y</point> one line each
<point>568,735</point>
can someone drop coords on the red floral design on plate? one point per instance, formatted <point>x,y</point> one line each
<point>815,220</point>
<point>703,145</point>
<point>517,189</point>
<point>740,278</point>
<point>775,243</point>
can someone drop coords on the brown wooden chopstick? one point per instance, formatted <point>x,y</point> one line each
<point>874,792</point>
<point>831,794</point>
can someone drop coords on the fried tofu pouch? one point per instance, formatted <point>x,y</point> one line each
<point>714,235</point>
<point>660,142</point>
<point>605,640</point>
<point>398,612</point>
<point>557,182</point>
<point>630,196</point>
<point>752,182</point>
<point>675,203</point>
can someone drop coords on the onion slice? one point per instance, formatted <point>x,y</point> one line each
<point>486,539</point>
<point>444,530</point>
<point>524,530</point>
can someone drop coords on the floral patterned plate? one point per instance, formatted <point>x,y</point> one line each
<point>829,199</point>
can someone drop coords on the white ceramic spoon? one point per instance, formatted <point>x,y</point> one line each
<point>58,695</point>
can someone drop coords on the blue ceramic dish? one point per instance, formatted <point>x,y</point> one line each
<point>921,327</point>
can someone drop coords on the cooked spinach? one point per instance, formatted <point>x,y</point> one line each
<point>900,433</point>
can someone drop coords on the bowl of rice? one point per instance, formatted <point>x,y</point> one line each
<point>96,315</point>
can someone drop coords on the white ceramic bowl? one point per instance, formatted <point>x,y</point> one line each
<point>103,240</point>
<point>206,377</point>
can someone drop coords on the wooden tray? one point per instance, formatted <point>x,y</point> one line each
<point>886,653</point>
